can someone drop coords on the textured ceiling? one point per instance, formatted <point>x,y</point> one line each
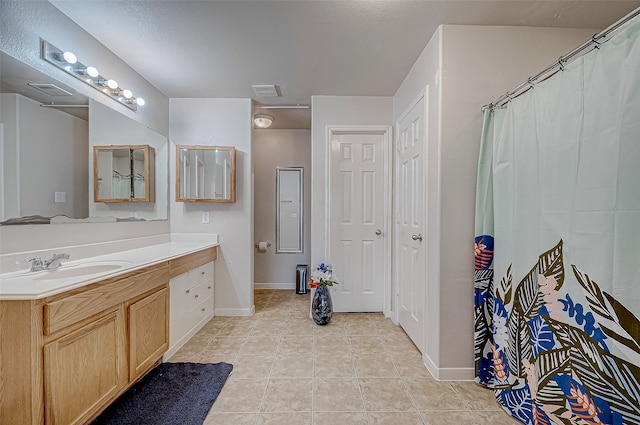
<point>362,48</point>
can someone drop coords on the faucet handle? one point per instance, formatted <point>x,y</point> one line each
<point>36,263</point>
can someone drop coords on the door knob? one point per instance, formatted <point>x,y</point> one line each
<point>417,237</point>
<point>378,232</point>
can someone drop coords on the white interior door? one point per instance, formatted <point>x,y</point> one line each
<point>358,211</point>
<point>410,222</point>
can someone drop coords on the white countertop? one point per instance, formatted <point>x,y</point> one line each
<point>27,285</point>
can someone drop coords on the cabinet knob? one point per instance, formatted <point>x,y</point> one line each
<point>202,273</point>
<point>209,287</point>
<point>196,295</point>
<point>188,291</point>
<point>203,309</point>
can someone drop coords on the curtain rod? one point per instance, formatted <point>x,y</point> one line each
<point>596,40</point>
<point>298,106</point>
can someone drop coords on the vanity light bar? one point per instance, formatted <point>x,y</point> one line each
<point>68,62</point>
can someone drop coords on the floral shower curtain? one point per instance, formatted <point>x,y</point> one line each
<point>557,247</point>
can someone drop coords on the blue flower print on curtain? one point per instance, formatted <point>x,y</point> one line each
<point>551,362</point>
<point>483,253</point>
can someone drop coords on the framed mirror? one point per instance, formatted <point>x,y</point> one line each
<point>124,173</point>
<point>205,174</point>
<point>289,210</point>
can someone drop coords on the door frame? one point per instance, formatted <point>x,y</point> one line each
<point>424,93</point>
<point>387,135</point>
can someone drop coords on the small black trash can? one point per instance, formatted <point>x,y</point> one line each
<point>302,271</point>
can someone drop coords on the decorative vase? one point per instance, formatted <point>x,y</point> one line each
<point>321,306</point>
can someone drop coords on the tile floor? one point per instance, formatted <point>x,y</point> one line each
<point>360,369</point>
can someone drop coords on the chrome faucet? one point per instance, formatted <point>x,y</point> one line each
<point>37,264</point>
<point>55,261</point>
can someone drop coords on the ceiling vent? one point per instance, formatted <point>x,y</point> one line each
<point>266,90</point>
<point>50,89</point>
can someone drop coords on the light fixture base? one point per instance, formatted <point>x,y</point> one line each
<point>55,56</point>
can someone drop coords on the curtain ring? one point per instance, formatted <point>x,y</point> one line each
<point>561,63</point>
<point>595,41</point>
<point>531,82</point>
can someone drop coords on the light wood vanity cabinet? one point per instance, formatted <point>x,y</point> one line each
<point>85,369</point>
<point>91,331</point>
<point>148,332</point>
<point>64,358</point>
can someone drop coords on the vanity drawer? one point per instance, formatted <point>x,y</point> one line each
<point>62,312</point>
<point>185,297</point>
<point>202,310</point>
<point>201,273</point>
<point>189,262</point>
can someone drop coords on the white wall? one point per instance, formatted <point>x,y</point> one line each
<point>469,66</point>
<point>330,111</point>
<point>23,24</point>
<point>219,122</point>
<point>271,149</point>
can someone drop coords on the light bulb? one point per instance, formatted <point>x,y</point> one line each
<point>140,101</point>
<point>90,71</point>
<point>66,57</point>
<point>112,84</point>
<point>127,94</point>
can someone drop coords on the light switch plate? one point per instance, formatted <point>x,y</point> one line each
<point>205,217</point>
<point>60,196</point>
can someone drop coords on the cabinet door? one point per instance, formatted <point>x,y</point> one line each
<point>148,331</point>
<point>84,370</point>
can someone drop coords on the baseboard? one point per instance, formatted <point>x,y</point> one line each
<point>263,285</point>
<point>235,311</point>
<point>448,373</point>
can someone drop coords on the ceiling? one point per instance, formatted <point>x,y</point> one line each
<point>219,49</point>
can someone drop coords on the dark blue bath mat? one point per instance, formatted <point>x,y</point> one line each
<point>171,394</point>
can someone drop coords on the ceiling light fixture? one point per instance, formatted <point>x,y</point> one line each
<point>68,62</point>
<point>262,120</point>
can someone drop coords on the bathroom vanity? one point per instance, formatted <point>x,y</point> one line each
<point>74,339</point>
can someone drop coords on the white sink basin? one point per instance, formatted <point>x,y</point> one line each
<point>79,269</point>
<point>82,269</point>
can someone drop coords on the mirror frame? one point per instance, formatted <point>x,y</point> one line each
<point>299,249</point>
<point>149,173</point>
<point>232,172</point>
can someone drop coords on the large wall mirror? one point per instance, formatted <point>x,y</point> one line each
<point>46,151</point>
<point>205,174</point>
<point>289,211</point>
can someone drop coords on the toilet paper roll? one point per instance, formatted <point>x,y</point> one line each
<point>262,246</point>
